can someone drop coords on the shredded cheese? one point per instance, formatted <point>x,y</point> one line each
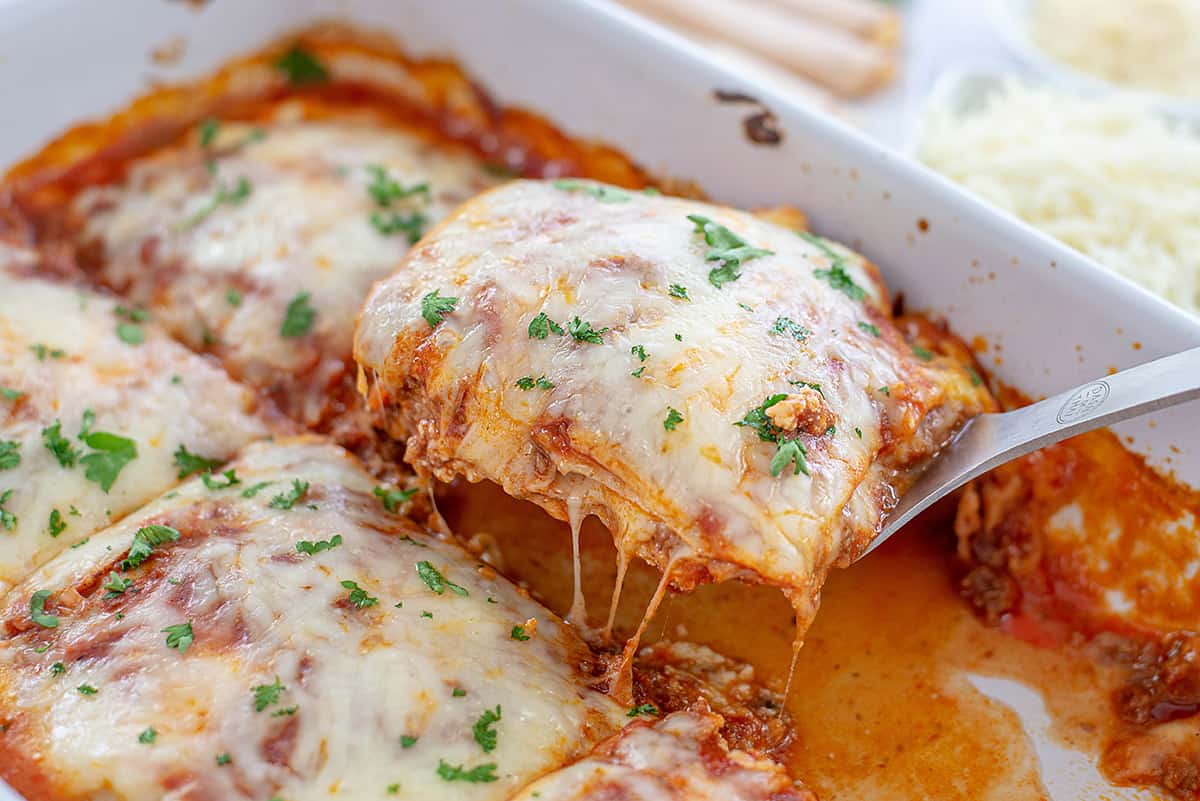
<point>1112,181</point>
<point>1142,44</point>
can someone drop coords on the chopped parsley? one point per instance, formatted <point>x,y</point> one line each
<point>86,689</point>
<point>224,196</point>
<point>131,333</point>
<point>518,634</point>
<point>115,585</point>
<point>37,610</point>
<point>285,713</point>
<point>640,352</point>
<point>529,382</point>
<point>726,247</point>
<point>42,351</point>
<point>407,740</point>
<point>11,394</point>
<point>602,192</point>
<point>56,525</point>
<point>436,582</point>
<point>485,735</point>
<point>313,548</point>
<point>678,291</point>
<point>788,327</point>
<point>870,328</point>
<point>475,775</point>
<point>434,307</point>
<point>233,298</point>
<point>57,669</point>
<point>209,127</point>
<point>145,540</point>
<point>638,372</point>
<point>189,462</point>
<point>541,326</point>
<point>267,694</point>
<point>582,331</point>
<point>59,445</point>
<point>393,499</point>
<point>413,224</point>
<point>224,481</point>
<point>673,419</point>
<point>458,692</point>
<point>393,788</point>
<point>858,431</point>
<point>426,614</point>
<point>301,67</point>
<point>7,518</point>
<point>838,277</point>
<point>180,636</point>
<point>924,354</point>
<point>886,390</point>
<point>976,380</point>
<point>787,450</point>
<point>251,491</point>
<point>110,453</point>
<point>286,500</point>
<point>10,454</point>
<point>385,190</point>
<point>298,318</point>
<point>642,709</point>
<point>224,759</point>
<point>358,596</point>
<point>148,736</point>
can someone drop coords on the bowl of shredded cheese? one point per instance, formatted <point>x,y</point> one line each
<point>1100,172</point>
<point>1149,48</point>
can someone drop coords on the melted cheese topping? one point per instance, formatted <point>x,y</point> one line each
<point>60,349</point>
<point>694,494</point>
<point>681,758</point>
<point>358,681</point>
<point>223,275</point>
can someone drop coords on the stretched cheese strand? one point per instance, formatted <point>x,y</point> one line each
<point>577,615</point>
<point>829,56</point>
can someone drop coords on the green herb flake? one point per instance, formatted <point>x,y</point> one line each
<point>226,480</point>
<point>86,689</point>
<point>253,490</point>
<point>485,735</point>
<point>678,291</point>
<point>858,431</point>
<point>673,419</point>
<point>541,326</point>
<point>110,453</point>
<point>638,372</point>
<point>301,68</point>
<point>7,519</point>
<point>224,196</point>
<point>37,610</point>
<point>233,298</point>
<point>870,328</point>
<point>976,380</point>
<point>131,333</point>
<point>313,548</point>
<point>358,596</point>
<point>148,736</point>
<point>408,741</point>
<point>393,789</point>
<point>602,192</point>
<point>393,499</point>
<point>11,394</point>
<point>787,450</point>
<point>180,636</point>
<point>145,540</point>
<point>924,354</point>
<point>434,307</point>
<point>59,445</point>
<point>642,709</point>
<point>475,775</point>
<point>10,454</point>
<point>189,462</point>
<point>42,352</point>
<point>787,327</point>
<point>298,318</point>
<point>286,500</point>
<point>385,190</point>
<point>529,382</point>
<point>726,247</point>
<point>56,525</point>
<point>582,331</point>
<point>435,581</point>
<point>267,694</point>
<point>886,391</point>
<point>115,585</point>
<point>209,128</point>
<point>518,634</point>
<point>57,669</point>
<point>411,224</point>
<point>223,759</point>
<point>640,352</point>
<point>458,692</point>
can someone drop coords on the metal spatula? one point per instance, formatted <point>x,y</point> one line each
<point>990,440</point>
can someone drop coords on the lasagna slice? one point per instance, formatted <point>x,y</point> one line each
<point>680,758</point>
<point>286,634</point>
<point>259,243</point>
<point>730,397</point>
<point>99,412</point>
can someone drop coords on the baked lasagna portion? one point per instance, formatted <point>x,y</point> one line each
<point>259,242</point>
<point>730,397</point>
<point>285,632</point>
<point>100,411</point>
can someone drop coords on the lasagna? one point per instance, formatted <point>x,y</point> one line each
<point>258,242</point>
<point>282,630</point>
<point>99,412</point>
<point>730,397</point>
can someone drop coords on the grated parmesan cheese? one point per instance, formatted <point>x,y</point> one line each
<point>1103,176</point>
<point>1151,45</point>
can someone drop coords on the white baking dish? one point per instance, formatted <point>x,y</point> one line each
<point>1053,318</point>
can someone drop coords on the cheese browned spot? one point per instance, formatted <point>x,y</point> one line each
<point>680,758</point>
<point>271,277</point>
<point>68,364</point>
<point>706,499</point>
<point>368,662</point>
